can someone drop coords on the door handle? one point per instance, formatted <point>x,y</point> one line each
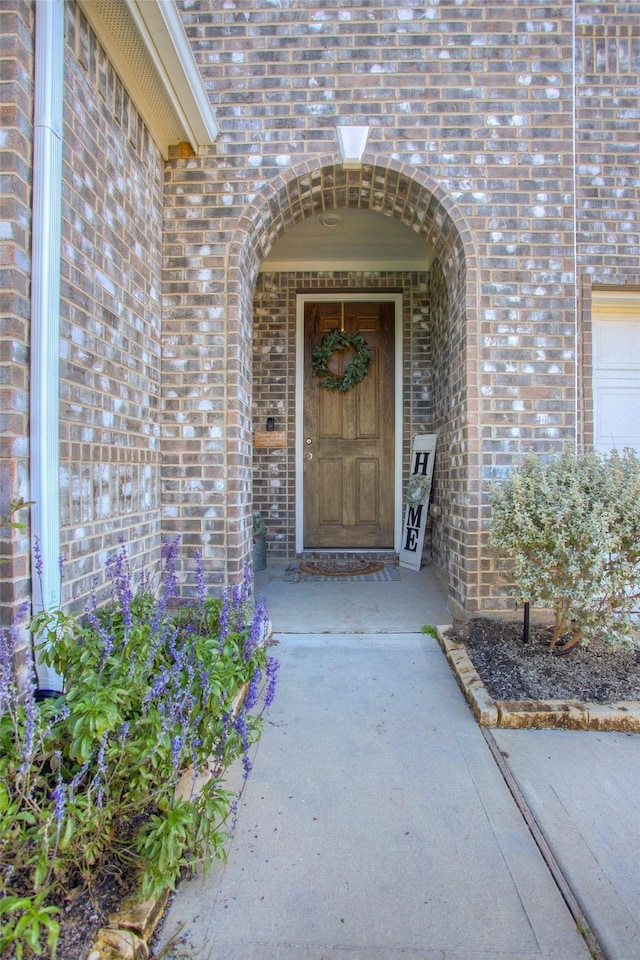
<point>308,455</point>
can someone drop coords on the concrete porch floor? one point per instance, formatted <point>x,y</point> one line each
<point>405,605</point>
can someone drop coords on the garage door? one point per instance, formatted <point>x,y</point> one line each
<point>616,370</point>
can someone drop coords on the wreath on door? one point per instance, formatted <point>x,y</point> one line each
<point>356,369</point>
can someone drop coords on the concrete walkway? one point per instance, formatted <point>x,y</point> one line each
<point>377,824</point>
<point>583,788</point>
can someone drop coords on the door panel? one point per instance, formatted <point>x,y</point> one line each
<point>367,487</point>
<point>349,437</point>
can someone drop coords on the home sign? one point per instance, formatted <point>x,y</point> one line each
<point>416,497</point>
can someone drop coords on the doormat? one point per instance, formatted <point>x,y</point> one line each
<point>326,571</point>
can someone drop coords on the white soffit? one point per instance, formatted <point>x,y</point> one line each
<point>360,240</point>
<point>147,44</point>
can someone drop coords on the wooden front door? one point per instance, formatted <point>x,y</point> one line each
<point>349,437</point>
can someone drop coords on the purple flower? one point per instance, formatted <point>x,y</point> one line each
<point>233,810</point>
<point>176,747</point>
<point>96,626</point>
<point>79,777</point>
<point>240,724</point>
<point>195,743</point>
<point>37,555</point>
<point>224,617</point>
<point>62,714</point>
<point>119,571</point>
<point>247,583</point>
<point>205,681</point>
<point>30,710</point>
<point>100,777</point>
<point>257,629</point>
<point>252,691</point>
<point>272,679</point>
<point>202,593</point>
<point>102,767</point>
<point>237,606</point>
<point>59,797</point>
<point>157,689</point>
<point>9,643</point>
<point>169,557</point>
<point>222,742</point>
<point>7,684</point>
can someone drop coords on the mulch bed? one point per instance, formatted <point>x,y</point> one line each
<point>86,911</point>
<point>593,671</point>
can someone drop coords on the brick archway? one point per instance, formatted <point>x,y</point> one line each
<point>407,195</point>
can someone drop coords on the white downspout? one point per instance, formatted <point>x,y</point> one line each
<point>46,231</point>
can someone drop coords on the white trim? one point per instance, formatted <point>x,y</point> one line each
<point>621,304</point>
<point>171,97</point>
<point>352,142</point>
<point>165,36</point>
<point>574,165</point>
<point>301,300</point>
<point>45,311</point>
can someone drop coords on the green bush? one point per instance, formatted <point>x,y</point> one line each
<point>569,533</point>
<point>91,775</point>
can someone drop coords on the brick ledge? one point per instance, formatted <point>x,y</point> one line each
<point>623,717</point>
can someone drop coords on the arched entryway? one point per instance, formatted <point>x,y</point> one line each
<point>439,331</point>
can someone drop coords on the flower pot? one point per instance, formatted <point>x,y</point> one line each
<point>259,553</point>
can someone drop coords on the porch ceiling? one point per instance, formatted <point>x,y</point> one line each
<point>360,240</point>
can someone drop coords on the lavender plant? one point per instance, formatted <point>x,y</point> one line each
<point>568,531</point>
<point>150,692</point>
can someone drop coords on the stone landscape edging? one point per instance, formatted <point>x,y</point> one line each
<point>131,927</point>
<point>623,717</point>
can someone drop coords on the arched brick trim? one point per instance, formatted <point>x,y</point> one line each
<point>405,193</point>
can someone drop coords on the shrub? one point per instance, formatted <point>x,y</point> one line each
<point>259,526</point>
<point>91,776</point>
<point>569,531</point>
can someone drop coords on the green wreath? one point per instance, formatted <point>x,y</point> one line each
<point>416,489</point>
<point>356,369</point>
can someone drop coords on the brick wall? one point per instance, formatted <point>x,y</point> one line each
<point>15,245</point>
<point>472,145</point>
<point>607,131</point>
<point>110,320</point>
<point>474,103</point>
<point>385,189</point>
<point>607,167</point>
<point>442,528</point>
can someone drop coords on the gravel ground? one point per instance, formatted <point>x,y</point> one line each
<point>593,671</point>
